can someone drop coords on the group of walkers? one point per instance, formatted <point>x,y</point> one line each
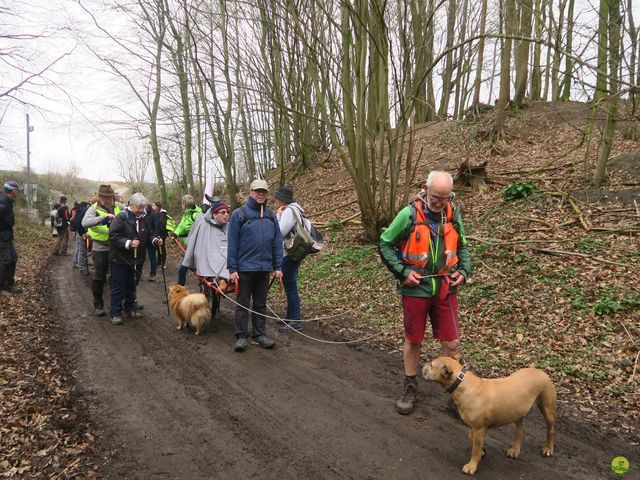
<point>244,247</point>
<point>241,248</point>
<point>424,247</point>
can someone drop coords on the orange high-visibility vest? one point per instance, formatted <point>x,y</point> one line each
<point>415,249</point>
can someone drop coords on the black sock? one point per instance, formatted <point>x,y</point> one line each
<point>410,378</point>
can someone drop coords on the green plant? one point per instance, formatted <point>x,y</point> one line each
<point>568,273</point>
<point>532,269</point>
<point>518,190</point>
<point>631,302</point>
<point>578,298</point>
<point>521,257</point>
<point>335,225</point>
<point>590,245</point>
<point>606,305</point>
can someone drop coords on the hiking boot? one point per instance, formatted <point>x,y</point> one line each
<point>99,312</point>
<point>116,320</point>
<point>288,326</point>
<point>84,271</point>
<point>152,277</point>
<point>284,327</point>
<point>13,289</point>
<point>264,341</point>
<point>241,344</point>
<point>129,314</point>
<point>138,306</point>
<point>404,405</point>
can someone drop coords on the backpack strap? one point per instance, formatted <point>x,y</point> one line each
<point>299,216</point>
<point>268,215</point>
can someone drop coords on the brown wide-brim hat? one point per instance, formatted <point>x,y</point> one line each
<point>106,191</point>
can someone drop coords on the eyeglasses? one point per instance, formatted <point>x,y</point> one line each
<point>438,198</point>
<point>261,191</point>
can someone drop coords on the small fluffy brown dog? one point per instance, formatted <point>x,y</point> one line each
<point>488,403</point>
<point>189,308</point>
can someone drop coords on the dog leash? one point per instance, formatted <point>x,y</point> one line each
<point>320,340</point>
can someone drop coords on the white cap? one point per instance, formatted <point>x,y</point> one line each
<point>259,184</point>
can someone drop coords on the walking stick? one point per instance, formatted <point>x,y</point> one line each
<point>135,279</point>
<point>164,281</point>
<point>273,280</point>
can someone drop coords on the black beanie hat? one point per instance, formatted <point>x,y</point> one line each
<point>284,194</point>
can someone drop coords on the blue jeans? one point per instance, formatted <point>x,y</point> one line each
<point>80,257</point>
<point>153,258</point>
<point>182,273</point>
<point>124,278</point>
<point>290,282</point>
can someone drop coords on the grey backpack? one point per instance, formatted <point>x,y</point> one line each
<point>302,241</point>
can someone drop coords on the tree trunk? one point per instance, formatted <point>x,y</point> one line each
<point>601,74</point>
<point>614,59</point>
<point>153,111</point>
<point>478,81</point>
<point>632,130</point>
<point>568,68</point>
<point>536,70</point>
<point>461,71</point>
<point>522,52</point>
<point>431,95</point>
<point>505,71</point>
<point>178,57</point>
<point>557,54</point>
<point>448,65</point>
<point>548,66</point>
<point>418,25</point>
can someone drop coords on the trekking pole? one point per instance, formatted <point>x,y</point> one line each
<point>273,280</point>
<point>135,279</point>
<point>164,280</point>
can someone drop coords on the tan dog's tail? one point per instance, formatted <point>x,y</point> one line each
<point>547,403</point>
<point>199,313</point>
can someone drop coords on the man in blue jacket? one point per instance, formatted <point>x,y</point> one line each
<point>254,251</point>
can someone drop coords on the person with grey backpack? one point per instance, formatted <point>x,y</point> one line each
<point>298,243</point>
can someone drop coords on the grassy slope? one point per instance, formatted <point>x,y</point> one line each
<point>572,316</point>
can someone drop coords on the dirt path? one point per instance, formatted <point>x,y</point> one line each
<point>176,406</point>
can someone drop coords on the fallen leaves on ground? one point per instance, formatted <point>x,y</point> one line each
<point>44,429</point>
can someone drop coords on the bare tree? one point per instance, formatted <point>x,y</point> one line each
<point>149,16</point>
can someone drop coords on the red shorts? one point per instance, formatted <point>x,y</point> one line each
<point>443,315</point>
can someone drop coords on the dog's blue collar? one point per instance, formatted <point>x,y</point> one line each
<point>458,380</point>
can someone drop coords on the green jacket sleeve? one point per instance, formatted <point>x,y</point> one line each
<point>390,240</point>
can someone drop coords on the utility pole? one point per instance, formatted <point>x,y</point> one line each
<point>29,130</point>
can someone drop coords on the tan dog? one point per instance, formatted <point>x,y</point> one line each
<point>488,403</point>
<point>189,307</point>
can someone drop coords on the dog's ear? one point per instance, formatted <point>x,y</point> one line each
<point>446,371</point>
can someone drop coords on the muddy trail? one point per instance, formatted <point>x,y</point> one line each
<point>172,405</point>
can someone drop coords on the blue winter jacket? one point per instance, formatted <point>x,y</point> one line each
<point>255,242</point>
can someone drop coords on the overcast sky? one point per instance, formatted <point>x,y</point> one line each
<point>71,126</point>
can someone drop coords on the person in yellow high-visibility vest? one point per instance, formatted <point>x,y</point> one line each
<point>97,220</point>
